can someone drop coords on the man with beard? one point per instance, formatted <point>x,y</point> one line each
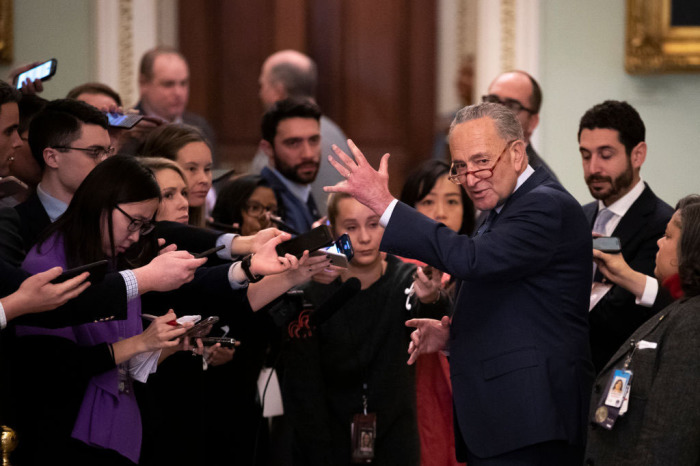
<point>291,138</point>
<point>611,143</point>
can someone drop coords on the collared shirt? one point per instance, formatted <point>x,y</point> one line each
<point>527,173</point>
<point>620,207</point>
<point>53,207</point>
<point>300,191</point>
<point>3,319</point>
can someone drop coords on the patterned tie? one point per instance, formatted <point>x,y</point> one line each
<point>602,220</point>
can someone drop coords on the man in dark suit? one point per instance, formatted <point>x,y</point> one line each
<point>518,341</point>
<point>521,93</point>
<point>164,87</point>
<point>291,138</point>
<point>611,142</point>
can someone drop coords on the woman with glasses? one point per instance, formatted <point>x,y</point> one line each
<point>659,423</point>
<point>89,414</point>
<point>245,204</point>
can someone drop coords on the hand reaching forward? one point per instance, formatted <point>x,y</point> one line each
<point>427,284</point>
<point>364,183</point>
<point>429,336</point>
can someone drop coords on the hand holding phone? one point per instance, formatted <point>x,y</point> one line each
<point>310,241</point>
<point>608,244</point>
<point>41,72</point>
<point>97,272</point>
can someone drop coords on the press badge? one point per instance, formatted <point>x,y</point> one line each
<point>363,432</point>
<point>615,399</point>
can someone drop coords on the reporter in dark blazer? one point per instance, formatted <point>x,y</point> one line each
<point>518,341</point>
<point>662,425</point>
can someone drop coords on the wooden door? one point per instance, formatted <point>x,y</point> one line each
<point>376,62</point>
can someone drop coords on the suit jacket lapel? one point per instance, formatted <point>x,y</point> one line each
<point>636,217</point>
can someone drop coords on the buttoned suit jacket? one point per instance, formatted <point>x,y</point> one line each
<point>292,210</point>
<point>616,316</point>
<point>662,424</point>
<point>519,356</point>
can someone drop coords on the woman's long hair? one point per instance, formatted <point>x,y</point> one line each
<point>422,180</point>
<point>689,245</point>
<point>166,141</point>
<point>117,180</point>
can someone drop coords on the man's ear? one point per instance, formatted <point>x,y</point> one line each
<point>51,157</point>
<point>266,147</point>
<point>519,154</point>
<point>638,155</point>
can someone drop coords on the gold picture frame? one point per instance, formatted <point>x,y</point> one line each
<point>653,45</point>
<point>6,35</point>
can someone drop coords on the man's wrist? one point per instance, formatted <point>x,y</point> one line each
<point>247,266</point>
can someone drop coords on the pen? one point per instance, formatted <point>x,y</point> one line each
<point>151,317</point>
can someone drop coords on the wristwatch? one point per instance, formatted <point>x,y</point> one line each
<point>245,265</point>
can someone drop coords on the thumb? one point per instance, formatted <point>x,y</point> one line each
<point>384,164</point>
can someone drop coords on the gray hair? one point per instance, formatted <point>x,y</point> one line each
<point>297,82</point>
<point>507,125</point>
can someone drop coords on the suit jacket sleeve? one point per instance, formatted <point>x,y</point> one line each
<point>520,242</point>
<point>11,244</point>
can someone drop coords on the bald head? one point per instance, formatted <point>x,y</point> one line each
<point>287,74</point>
<point>522,88</point>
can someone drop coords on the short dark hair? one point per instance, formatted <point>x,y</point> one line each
<point>284,109</point>
<point>94,88</point>
<point>8,94</point>
<point>60,123</point>
<point>232,197</point>
<point>619,116</point>
<point>29,105</point>
<point>421,181</point>
<point>149,58</point>
<point>298,82</point>
<point>117,180</point>
<point>689,248</point>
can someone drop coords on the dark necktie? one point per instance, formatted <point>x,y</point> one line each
<point>311,205</point>
<point>487,224</point>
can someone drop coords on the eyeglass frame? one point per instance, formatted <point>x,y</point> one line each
<point>455,178</point>
<point>259,205</point>
<point>104,152</point>
<point>511,104</point>
<point>147,225</point>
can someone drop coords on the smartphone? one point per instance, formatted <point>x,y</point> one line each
<point>609,244</point>
<point>209,251</point>
<point>118,120</point>
<point>43,72</point>
<point>225,342</point>
<point>319,237</point>
<point>201,328</point>
<point>11,186</point>
<point>341,252</point>
<point>97,272</point>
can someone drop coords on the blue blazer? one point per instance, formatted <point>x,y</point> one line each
<point>292,210</point>
<point>519,354</point>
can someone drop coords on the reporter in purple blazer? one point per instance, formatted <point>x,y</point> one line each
<point>518,340</point>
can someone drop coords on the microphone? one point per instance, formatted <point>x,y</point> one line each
<point>326,310</point>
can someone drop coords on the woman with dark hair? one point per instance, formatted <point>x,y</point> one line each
<point>659,421</point>
<point>187,146</point>
<point>431,193</point>
<point>90,415</point>
<point>246,204</point>
<point>428,189</point>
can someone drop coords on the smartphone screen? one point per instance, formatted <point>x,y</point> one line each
<point>43,72</point>
<point>127,121</point>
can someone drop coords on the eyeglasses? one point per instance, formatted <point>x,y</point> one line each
<point>256,209</point>
<point>512,104</point>
<point>144,227</point>
<point>459,168</point>
<point>98,152</point>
